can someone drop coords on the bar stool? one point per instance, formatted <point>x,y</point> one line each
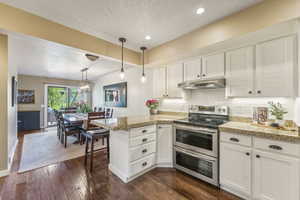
<point>94,135</point>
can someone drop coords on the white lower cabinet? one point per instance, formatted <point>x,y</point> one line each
<point>235,171</point>
<point>257,170</point>
<point>164,145</point>
<point>275,176</point>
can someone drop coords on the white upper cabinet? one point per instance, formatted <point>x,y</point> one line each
<point>159,82</point>
<point>213,65</point>
<point>174,76</point>
<point>276,177</point>
<point>275,63</point>
<point>240,72</point>
<point>192,69</point>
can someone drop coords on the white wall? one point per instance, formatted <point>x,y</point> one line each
<point>12,111</point>
<point>137,92</point>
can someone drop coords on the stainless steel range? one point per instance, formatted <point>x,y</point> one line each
<point>196,142</point>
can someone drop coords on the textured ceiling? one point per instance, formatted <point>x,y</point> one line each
<point>164,20</point>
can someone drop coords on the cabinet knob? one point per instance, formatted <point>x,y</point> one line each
<point>144,140</point>
<point>144,151</point>
<point>257,156</point>
<point>258,92</point>
<point>234,139</point>
<point>144,131</point>
<point>276,147</point>
<point>144,164</point>
<point>248,154</point>
<point>203,75</point>
<point>250,92</point>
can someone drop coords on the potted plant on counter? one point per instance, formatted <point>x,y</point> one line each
<point>277,110</point>
<point>152,104</point>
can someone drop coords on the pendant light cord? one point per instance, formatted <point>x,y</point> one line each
<point>143,62</point>
<point>122,56</point>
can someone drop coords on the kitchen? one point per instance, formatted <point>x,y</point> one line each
<point>198,104</point>
<point>245,157</point>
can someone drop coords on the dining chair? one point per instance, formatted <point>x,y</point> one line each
<point>94,116</point>
<point>100,109</point>
<point>69,129</point>
<point>109,113</point>
<point>95,109</point>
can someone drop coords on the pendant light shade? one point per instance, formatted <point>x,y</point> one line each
<point>122,73</point>
<point>84,83</point>
<point>143,78</point>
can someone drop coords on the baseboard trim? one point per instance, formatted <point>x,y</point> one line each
<point>4,172</point>
<point>13,154</point>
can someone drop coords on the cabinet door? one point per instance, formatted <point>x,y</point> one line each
<point>175,76</point>
<point>213,65</point>
<point>235,169</point>
<point>164,145</point>
<point>192,69</point>
<point>276,177</point>
<point>275,62</point>
<point>240,72</point>
<point>159,82</point>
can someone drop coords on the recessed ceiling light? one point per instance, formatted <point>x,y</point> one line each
<point>148,37</point>
<point>200,11</point>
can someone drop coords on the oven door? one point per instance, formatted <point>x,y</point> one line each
<point>202,140</point>
<point>198,165</point>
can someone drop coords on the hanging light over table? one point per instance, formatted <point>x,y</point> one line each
<point>143,78</point>
<point>122,73</point>
<point>84,83</point>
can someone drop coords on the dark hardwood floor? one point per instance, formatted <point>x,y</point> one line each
<point>70,180</point>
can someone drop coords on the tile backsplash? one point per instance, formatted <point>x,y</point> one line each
<point>242,107</point>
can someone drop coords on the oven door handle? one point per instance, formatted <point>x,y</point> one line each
<point>196,130</point>
<point>193,154</point>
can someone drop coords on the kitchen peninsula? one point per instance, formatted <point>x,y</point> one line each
<point>139,143</point>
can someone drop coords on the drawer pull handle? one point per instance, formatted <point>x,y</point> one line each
<point>144,151</point>
<point>234,139</point>
<point>257,156</point>
<point>144,164</point>
<point>248,154</point>
<point>276,147</point>
<point>145,140</point>
<point>144,131</point>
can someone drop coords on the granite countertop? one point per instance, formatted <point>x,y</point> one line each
<point>261,131</point>
<point>126,123</point>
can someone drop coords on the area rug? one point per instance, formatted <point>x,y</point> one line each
<point>42,149</point>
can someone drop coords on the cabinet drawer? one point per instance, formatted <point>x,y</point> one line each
<point>277,146</point>
<point>142,164</point>
<point>134,132</point>
<point>236,139</point>
<point>142,139</point>
<point>141,151</point>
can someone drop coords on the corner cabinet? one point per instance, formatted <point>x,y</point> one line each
<point>164,145</point>
<point>259,169</point>
<point>159,82</point>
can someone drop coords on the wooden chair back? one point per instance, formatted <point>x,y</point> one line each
<point>93,116</point>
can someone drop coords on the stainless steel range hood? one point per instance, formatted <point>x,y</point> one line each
<point>209,83</point>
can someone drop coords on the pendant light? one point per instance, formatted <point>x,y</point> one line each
<point>122,73</point>
<point>143,78</point>
<point>84,83</point>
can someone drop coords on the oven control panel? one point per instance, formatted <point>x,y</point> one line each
<point>218,110</point>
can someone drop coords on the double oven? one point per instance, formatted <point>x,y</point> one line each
<point>196,146</point>
<point>196,152</point>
